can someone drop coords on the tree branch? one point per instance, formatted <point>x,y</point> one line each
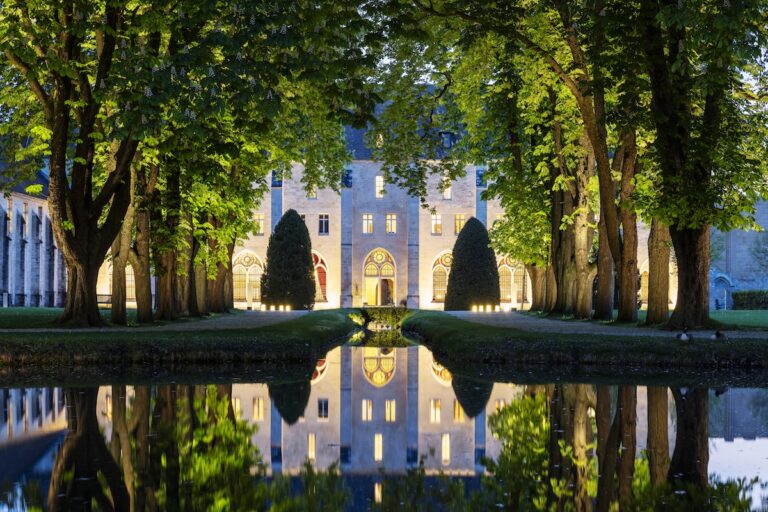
<point>34,84</point>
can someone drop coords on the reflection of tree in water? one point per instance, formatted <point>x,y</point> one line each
<point>181,448</point>
<point>472,394</point>
<point>290,399</point>
<point>84,462</point>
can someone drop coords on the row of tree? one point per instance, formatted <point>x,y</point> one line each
<point>160,123</point>
<point>589,116</point>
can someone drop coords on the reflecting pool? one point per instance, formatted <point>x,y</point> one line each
<point>380,428</point>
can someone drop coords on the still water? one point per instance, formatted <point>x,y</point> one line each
<point>383,429</point>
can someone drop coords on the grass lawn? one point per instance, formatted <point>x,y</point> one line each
<point>303,338</point>
<point>466,345</point>
<point>730,319</point>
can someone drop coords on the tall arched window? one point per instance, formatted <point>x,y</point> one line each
<point>520,286</point>
<point>246,278</point>
<point>130,284</point>
<point>440,270</point>
<point>321,278</point>
<point>505,283</point>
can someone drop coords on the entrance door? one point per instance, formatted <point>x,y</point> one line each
<point>379,278</point>
<point>386,288</point>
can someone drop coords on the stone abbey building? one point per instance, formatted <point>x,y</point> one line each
<point>372,244</point>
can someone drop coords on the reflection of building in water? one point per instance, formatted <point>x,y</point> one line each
<point>27,411</point>
<point>372,408</point>
<point>33,422</point>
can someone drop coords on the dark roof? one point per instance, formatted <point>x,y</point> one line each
<point>40,179</point>
<point>356,143</point>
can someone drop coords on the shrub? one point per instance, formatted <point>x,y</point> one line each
<point>750,299</point>
<point>289,277</point>
<point>474,277</point>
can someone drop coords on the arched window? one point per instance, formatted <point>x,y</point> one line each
<point>440,270</point>
<point>644,288</point>
<point>505,283</point>
<point>239,278</point>
<point>130,284</point>
<point>321,278</point>
<point>246,278</point>
<point>520,286</point>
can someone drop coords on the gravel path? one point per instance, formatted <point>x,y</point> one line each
<point>244,320</point>
<point>529,323</point>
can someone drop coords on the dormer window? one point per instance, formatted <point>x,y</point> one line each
<point>379,187</point>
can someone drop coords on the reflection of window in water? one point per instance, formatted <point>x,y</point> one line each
<point>367,410</point>
<point>390,415</point>
<point>311,446</point>
<point>378,365</point>
<point>258,409</point>
<point>458,412</point>
<point>322,408</point>
<point>378,447</point>
<point>434,410</point>
<point>377,492</point>
<point>446,449</point>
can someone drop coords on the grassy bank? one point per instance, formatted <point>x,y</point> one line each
<point>724,319</point>
<point>463,344</point>
<point>304,339</point>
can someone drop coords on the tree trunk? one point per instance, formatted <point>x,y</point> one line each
<point>538,286</point>
<point>605,277</point>
<point>658,274</point>
<point>581,425</point>
<point>690,460</point>
<point>626,468</point>
<point>140,255</point>
<point>193,306</point>
<point>118,310</point>
<point>166,289</point>
<point>81,307</point>
<point>692,255</point>
<point>626,162</point>
<point>658,436</point>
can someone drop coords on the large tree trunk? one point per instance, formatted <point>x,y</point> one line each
<point>605,277</point>
<point>658,273</point>
<point>658,435</point>
<point>625,161</point>
<point>81,307</point>
<point>583,234</point>
<point>166,255</point>
<point>690,460</point>
<point>166,289</point>
<point>538,286</point>
<point>692,255</point>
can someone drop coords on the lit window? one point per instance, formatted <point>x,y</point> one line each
<point>323,224</point>
<point>458,412</point>
<point>391,223</point>
<point>448,192</point>
<point>368,223</point>
<point>446,451</point>
<point>109,407</point>
<point>322,408</point>
<point>258,409</point>
<point>439,284</point>
<point>377,492</point>
<point>367,410</point>
<point>258,219</point>
<point>391,412</point>
<point>437,224</point>
<point>379,187</point>
<point>434,410</point>
<point>236,406</point>
<point>520,286</point>
<point>312,193</point>
<point>378,447</point>
<point>458,223</point>
<point>505,283</point>
<point>311,446</point>
<point>500,404</point>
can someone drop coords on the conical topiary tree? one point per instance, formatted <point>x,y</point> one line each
<point>289,278</point>
<point>474,277</point>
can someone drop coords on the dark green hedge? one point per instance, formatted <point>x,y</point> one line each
<point>290,274</point>
<point>750,299</point>
<point>474,277</point>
